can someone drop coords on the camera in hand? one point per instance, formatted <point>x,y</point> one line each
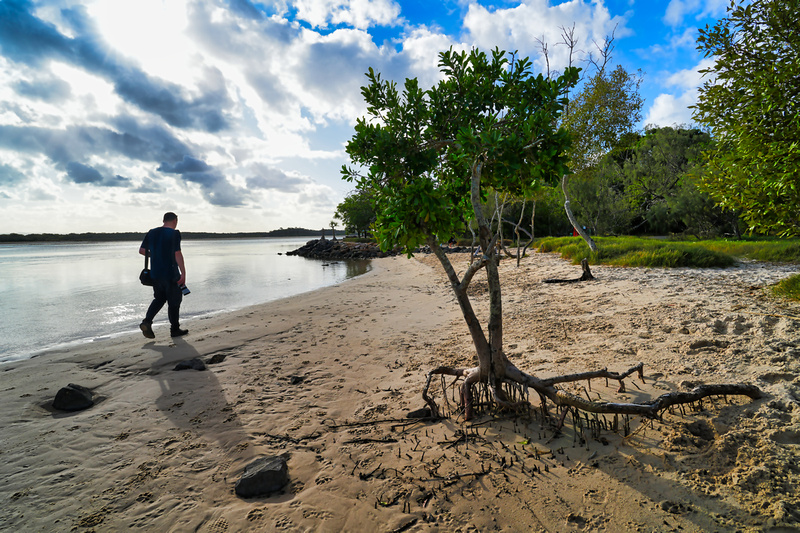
<point>185,290</point>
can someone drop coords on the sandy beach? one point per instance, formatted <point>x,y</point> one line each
<point>326,380</point>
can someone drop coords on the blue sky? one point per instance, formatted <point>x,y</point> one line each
<point>234,114</point>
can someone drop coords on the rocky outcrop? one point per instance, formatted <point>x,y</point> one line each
<point>329,249</point>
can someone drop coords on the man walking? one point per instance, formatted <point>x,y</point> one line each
<point>163,244</point>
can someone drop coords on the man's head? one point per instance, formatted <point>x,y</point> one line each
<point>170,219</point>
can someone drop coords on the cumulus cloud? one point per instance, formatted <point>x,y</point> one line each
<point>44,88</point>
<point>359,14</point>
<point>678,10</point>
<point>669,109</point>
<point>10,175</point>
<point>522,27</point>
<point>229,102</point>
<point>41,195</point>
<point>266,177</point>
<point>215,187</point>
<point>29,40</point>
<point>80,173</point>
<point>79,142</point>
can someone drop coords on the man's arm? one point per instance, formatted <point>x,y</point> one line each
<point>142,251</point>
<point>179,260</point>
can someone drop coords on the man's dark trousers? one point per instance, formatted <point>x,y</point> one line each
<point>165,292</point>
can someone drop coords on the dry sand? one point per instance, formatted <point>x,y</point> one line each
<point>162,449</point>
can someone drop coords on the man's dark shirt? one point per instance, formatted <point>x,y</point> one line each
<point>163,242</point>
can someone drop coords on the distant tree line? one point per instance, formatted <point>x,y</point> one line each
<point>137,236</point>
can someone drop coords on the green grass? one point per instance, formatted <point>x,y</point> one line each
<point>638,252</point>
<point>641,252</point>
<point>773,251</point>
<point>635,251</point>
<point>788,288</point>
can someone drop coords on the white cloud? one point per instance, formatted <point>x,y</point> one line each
<point>678,10</point>
<point>690,78</point>
<point>673,108</point>
<point>360,14</point>
<point>669,110</point>
<point>521,27</point>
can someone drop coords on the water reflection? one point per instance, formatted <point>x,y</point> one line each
<point>51,294</point>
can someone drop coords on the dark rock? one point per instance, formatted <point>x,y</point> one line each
<point>263,476</point>
<point>217,358</point>
<point>425,412</point>
<point>73,398</point>
<point>296,380</point>
<point>191,364</point>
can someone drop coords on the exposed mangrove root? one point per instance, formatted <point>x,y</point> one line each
<point>587,274</point>
<point>512,393</point>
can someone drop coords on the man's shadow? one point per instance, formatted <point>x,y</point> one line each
<point>194,400</point>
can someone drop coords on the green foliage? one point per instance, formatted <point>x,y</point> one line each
<point>788,288</point>
<point>650,186</point>
<point>603,115</point>
<point>751,101</point>
<point>356,212</point>
<point>489,124</point>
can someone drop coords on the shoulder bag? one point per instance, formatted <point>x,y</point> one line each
<point>144,277</point>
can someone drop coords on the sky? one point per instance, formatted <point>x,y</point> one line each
<point>235,114</point>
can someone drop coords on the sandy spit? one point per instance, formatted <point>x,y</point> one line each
<point>327,378</point>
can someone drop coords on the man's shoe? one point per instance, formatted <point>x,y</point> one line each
<point>147,330</point>
<point>178,332</point>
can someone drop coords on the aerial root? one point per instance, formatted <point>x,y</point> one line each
<point>512,393</point>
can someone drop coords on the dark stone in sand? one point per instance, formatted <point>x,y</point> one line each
<point>191,364</point>
<point>73,398</point>
<point>263,476</point>
<point>217,358</point>
<point>296,380</point>
<point>425,412</point>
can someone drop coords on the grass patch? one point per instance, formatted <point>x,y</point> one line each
<point>788,288</point>
<point>769,250</point>
<point>638,252</point>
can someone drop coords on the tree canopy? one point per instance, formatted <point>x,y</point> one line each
<point>356,212</point>
<point>489,118</point>
<point>602,115</point>
<point>751,102</point>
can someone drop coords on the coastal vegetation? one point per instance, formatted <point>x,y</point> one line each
<point>433,158</point>
<point>751,102</point>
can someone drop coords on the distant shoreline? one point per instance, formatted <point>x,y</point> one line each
<point>14,238</point>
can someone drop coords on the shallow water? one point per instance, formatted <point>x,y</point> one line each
<point>59,294</point>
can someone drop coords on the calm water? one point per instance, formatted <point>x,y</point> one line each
<point>57,294</point>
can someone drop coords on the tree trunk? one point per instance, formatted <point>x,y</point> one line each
<point>460,291</point>
<point>572,220</point>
